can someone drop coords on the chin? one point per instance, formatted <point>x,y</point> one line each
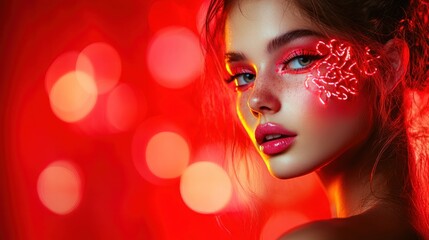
<point>286,167</point>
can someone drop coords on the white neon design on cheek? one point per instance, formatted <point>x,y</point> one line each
<point>337,74</point>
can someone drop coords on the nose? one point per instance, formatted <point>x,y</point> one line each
<point>264,98</point>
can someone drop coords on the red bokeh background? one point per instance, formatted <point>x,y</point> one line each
<point>117,195</point>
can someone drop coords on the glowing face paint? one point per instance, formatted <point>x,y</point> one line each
<point>337,74</point>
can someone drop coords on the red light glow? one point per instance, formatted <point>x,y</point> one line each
<point>249,179</point>
<point>200,18</point>
<point>122,108</point>
<point>105,136</point>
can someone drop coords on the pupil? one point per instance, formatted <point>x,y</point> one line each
<point>304,60</point>
<point>248,77</point>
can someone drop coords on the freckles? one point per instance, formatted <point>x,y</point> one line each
<point>338,74</point>
<point>312,112</point>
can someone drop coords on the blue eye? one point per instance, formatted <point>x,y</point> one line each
<point>299,62</point>
<point>243,79</point>
<point>241,75</point>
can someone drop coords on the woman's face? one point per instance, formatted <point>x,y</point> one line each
<point>271,52</point>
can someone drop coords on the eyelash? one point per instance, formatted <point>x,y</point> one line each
<point>232,81</point>
<point>231,78</point>
<point>310,55</point>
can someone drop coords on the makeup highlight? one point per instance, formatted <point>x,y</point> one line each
<point>337,75</point>
<point>299,56</point>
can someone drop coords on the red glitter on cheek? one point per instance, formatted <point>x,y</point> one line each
<point>337,75</point>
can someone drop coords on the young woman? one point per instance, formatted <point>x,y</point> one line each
<point>327,86</point>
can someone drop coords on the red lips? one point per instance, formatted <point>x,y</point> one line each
<point>273,138</point>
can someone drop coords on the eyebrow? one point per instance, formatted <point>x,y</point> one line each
<point>274,44</point>
<point>288,37</point>
<point>234,57</point>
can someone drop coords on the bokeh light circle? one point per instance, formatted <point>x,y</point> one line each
<point>72,98</point>
<point>59,187</point>
<point>144,132</point>
<point>104,62</point>
<point>167,155</point>
<point>122,108</point>
<point>174,57</point>
<point>205,187</point>
<point>62,65</point>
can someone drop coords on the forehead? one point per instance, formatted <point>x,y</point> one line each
<point>252,23</point>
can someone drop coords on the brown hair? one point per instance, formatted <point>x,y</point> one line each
<point>373,23</point>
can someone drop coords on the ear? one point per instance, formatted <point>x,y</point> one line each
<point>398,55</point>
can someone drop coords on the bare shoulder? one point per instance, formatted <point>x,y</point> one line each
<point>319,230</point>
<point>356,227</point>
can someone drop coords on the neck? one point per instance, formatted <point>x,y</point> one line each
<point>350,187</point>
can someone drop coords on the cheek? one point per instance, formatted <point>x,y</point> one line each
<point>336,126</point>
<point>336,122</point>
<point>325,132</point>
